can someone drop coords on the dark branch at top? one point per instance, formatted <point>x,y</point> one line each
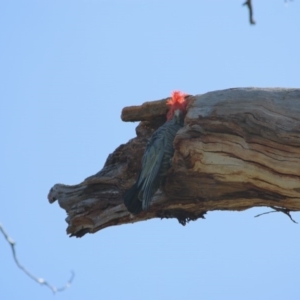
<point>249,4</point>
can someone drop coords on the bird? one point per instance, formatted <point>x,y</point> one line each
<point>157,157</point>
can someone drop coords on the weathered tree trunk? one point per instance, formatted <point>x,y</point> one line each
<point>239,148</point>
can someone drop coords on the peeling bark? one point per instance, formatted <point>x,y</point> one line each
<point>239,148</point>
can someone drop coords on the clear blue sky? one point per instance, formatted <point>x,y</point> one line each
<point>67,70</point>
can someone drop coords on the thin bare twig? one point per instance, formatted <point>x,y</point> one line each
<point>279,209</point>
<point>249,4</point>
<point>36,279</point>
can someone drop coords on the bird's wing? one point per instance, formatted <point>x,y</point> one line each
<point>156,160</point>
<point>151,164</point>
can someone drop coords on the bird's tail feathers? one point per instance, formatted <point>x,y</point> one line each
<point>132,201</point>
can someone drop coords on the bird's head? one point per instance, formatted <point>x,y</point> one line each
<point>177,102</point>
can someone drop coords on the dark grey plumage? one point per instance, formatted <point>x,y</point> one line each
<point>155,163</point>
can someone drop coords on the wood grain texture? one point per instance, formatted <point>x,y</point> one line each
<point>239,148</point>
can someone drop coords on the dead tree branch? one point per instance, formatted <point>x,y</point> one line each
<point>36,279</point>
<point>279,209</point>
<point>239,148</point>
<point>248,3</point>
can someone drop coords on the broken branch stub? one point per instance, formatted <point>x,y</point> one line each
<point>239,148</point>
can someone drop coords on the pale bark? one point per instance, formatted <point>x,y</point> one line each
<point>239,148</point>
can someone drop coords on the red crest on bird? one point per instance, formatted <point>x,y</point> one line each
<point>177,101</point>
